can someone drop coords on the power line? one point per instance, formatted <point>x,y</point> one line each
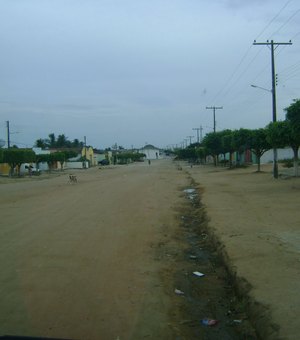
<point>288,20</point>
<point>227,83</point>
<point>274,18</point>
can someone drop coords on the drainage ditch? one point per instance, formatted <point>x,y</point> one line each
<point>208,305</point>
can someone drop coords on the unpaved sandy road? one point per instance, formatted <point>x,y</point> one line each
<point>78,261</point>
<point>97,259</point>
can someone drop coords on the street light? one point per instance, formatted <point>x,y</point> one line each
<point>262,88</point>
<point>275,162</point>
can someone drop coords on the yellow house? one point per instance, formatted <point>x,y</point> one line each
<point>88,153</point>
<point>4,169</point>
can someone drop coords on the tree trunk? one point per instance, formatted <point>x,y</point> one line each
<point>230,159</point>
<point>258,163</point>
<point>296,159</point>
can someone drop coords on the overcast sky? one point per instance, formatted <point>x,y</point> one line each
<point>142,71</point>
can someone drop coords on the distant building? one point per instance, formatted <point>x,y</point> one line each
<point>151,152</point>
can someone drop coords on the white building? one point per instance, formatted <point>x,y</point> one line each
<point>151,152</point>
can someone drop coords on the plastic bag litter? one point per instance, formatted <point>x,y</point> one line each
<point>209,322</point>
<point>179,292</point>
<point>198,274</point>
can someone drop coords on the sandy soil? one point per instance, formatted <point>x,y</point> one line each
<point>96,259</point>
<point>257,219</point>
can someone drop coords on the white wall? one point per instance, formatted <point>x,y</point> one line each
<point>267,157</point>
<point>151,153</point>
<point>76,165</point>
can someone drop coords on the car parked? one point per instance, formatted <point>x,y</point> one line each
<point>103,162</point>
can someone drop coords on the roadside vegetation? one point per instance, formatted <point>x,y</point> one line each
<point>222,145</point>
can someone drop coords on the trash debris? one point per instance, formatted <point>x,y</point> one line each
<point>198,274</point>
<point>179,292</point>
<point>189,191</point>
<point>209,322</point>
<point>238,321</point>
<point>193,257</point>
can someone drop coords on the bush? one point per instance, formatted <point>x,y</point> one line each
<point>287,162</point>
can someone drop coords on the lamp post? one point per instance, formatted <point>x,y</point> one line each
<point>275,156</point>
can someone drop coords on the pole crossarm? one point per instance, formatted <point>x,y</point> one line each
<point>272,42</point>
<point>214,108</point>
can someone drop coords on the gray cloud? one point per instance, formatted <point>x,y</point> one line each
<point>126,70</point>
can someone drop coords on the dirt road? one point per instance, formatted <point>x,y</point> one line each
<point>78,261</point>
<point>100,259</point>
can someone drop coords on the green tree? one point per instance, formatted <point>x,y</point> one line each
<point>228,145</point>
<point>16,157</point>
<point>213,143</point>
<point>201,153</point>
<point>241,142</point>
<point>293,119</point>
<point>187,153</point>
<point>41,143</point>
<point>278,134</point>
<point>52,140</point>
<point>62,141</point>
<point>259,144</point>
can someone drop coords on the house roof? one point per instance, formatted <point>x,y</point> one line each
<point>148,147</point>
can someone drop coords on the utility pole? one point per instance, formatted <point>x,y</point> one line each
<point>197,129</point>
<point>8,134</point>
<point>201,129</point>
<point>190,137</point>
<point>274,114</point>
<point>214,108</point>
<point>85,152</point>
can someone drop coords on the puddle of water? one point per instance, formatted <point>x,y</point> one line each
<point>191,193</point>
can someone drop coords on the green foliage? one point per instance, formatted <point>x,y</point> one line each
<point>52,158</point>
<point>213,143</point>
<point>187,154</point>
<point>287,162</point>
<point>259,144</point>
<point>278,134</point>
<point>126,157</point>
<point>241,140</point>
<point>15,157</point>
<point>293,114</point>
<point>60,142</point>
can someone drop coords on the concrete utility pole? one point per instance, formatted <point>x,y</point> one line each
<point>85,152</point>
<point>197,129</point>
<point>214,108</point>
<point>274,114</point>
<point>8,134</point>
<point>190,137</point>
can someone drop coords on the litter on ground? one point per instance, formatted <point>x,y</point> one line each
<point>198,274</point>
